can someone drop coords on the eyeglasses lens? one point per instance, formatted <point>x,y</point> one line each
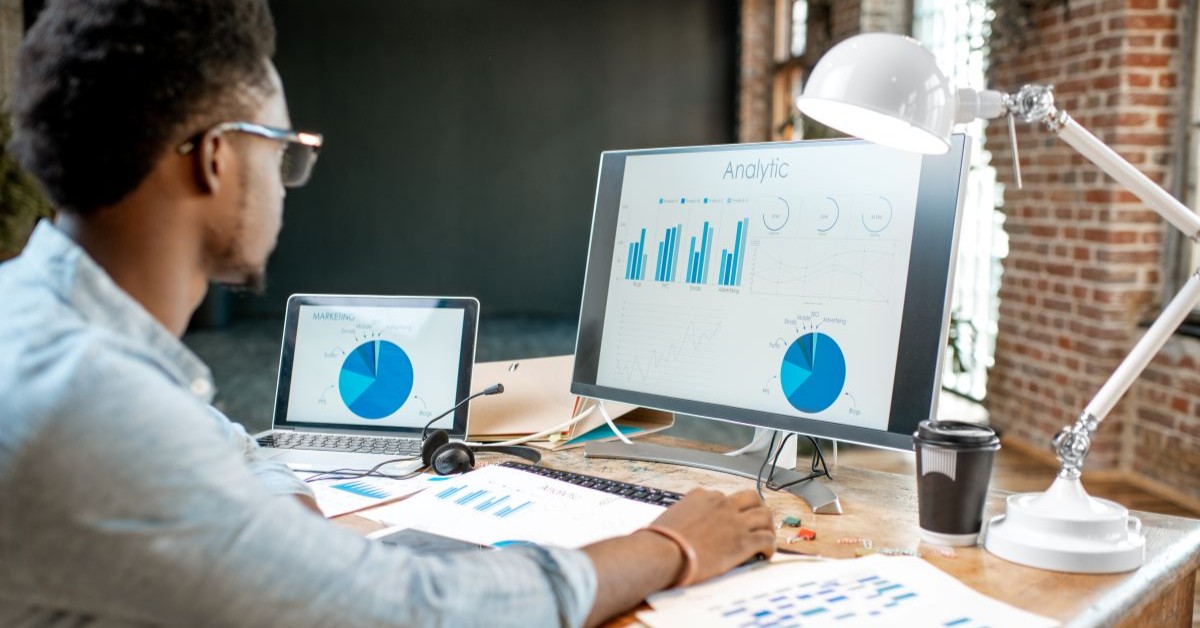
<point>297,164</point>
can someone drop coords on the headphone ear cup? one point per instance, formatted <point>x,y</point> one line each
<point>453,458</point>
<point>431,444</point>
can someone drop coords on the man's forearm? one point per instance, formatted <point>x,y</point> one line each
<point>630,568</point>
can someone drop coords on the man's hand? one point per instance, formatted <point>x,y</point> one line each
<point>724,530</point>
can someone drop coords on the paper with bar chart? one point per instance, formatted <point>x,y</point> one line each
<point>871,592</point>
<point>340,496</point>
<point>498,506</point>
<point>769,279</point>
<point>372,365</point>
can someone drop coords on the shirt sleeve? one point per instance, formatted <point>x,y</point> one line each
<point>275,476</point>
<point>142,512</point>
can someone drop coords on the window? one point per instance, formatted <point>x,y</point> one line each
<point>955,30</point>
<point>791,44</point>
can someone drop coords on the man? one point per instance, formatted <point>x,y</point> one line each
<point>124,500</point>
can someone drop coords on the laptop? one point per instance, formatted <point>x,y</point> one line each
<point>359,376</point>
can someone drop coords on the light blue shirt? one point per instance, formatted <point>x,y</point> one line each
<point>126,500</point>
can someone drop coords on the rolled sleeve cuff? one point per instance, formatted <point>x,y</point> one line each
<point>572,578</point>
<point>280,480</point>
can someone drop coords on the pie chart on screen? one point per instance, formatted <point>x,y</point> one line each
<point>376,379</point>
<point>813,372</point>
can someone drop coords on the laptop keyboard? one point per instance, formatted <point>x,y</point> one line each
<point>315,441</point>
<point>635,492</point>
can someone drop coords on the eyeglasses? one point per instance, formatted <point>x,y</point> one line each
<point>299,149</point>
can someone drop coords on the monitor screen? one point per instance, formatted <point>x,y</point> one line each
<point>799,286</point>
<point>380,363</point>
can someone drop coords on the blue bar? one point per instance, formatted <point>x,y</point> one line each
<point>641,257</point>
<point>666,259</point>
<point>470,497</point>
<point>506,511</point>
<point>658,268</point>
<point>489,503</point>
<point>669,274</point>
<point>636,252</point>
<point>742,254</point>
<point>696,268</point>
<point>722,280</point>
<point>706,254</point>
<point>630,266</point>
<point>362,488</point>
<point>665,264</point>
<point>737,255</point>
<point>450,492</point>
<point>691,261</point>
<point>675,259</point>
<point>672,239</point>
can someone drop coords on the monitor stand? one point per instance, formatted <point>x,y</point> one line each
<point>819,497</point>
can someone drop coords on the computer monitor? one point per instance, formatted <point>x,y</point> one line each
<point>797,286</point>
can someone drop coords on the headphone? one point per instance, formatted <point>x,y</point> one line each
<point>446,457</point>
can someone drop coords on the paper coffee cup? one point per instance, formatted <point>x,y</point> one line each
<point>954,469</point>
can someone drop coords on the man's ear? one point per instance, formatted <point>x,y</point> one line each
<point>212,161</point>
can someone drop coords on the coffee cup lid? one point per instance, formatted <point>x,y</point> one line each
<point>955,432</point>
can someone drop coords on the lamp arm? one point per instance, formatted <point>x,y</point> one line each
<point>1036,103</point>
<point>1142,187</point>
<point>1071,445</point>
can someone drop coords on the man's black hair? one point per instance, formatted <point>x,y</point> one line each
<point>105,86</point>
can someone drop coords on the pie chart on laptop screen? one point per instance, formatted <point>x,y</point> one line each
<point>376,379</point>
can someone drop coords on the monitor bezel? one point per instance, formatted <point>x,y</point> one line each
<point>466,358</point>
<point>925,318</point>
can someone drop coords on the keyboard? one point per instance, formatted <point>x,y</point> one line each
<point>317,441</point>
<point>635,492</point>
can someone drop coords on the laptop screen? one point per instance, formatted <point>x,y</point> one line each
<point>374,363</point>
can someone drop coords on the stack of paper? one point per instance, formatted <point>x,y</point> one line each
<point>537,397</point>
<point>875,591</point>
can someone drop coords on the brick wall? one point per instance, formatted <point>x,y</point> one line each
<point>755,65</point>
<point>1086,262</point>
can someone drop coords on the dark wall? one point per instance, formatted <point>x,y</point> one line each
<point>463,136</point>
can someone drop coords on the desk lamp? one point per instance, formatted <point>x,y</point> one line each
<point>888,89</point>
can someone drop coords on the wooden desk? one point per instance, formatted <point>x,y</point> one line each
<point>883,508</point>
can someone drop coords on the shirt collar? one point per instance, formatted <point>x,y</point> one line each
<point>88,289</point>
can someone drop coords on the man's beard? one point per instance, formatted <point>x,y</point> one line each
<point>252,282</point>
<point>238,274</point>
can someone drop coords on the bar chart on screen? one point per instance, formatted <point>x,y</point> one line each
<point>499,506</point>
<point>671,262</point>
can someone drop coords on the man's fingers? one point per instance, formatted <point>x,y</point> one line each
<point>762,542</point>
<point>758,519</point>
<point>744,500</point>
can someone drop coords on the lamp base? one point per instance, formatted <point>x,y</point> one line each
<point>1065,529</point>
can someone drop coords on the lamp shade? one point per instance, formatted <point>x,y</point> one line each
<point>883,88</point>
